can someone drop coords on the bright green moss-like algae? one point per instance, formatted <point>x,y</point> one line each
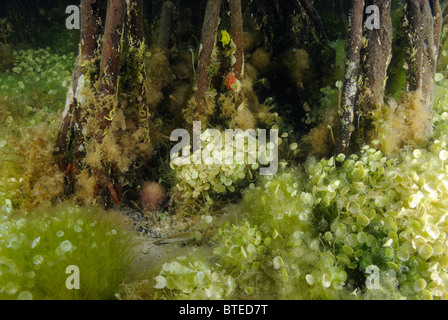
<point>311,232</point>
<point>321,232</point>
<point>39,241</point>
<point>36,250</point>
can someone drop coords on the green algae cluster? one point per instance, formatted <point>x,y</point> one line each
<point>36,249</point>
<point>368,226</point>
<point>32,93</point>
<point>193,279</point>
<point>206,173</point>
<point>34,87</point>
<point>39,241</point>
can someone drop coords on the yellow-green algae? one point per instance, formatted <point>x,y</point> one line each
<point>39,241</point>
<point>318,233</point>
<point>36,249</point>
<point>305,233</point>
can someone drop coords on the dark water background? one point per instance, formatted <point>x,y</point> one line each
<point>42,22</point>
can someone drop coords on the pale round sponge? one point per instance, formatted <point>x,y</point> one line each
<point>152,195</point>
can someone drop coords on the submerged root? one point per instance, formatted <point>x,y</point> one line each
<point>115,140</point>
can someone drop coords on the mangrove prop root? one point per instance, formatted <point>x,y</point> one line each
<point>438,21</point>
<point>303,10</point>
<point>72,141</point>
<point>422,27</point>
<point>378,53</point>
<point>165,25</point>
<point>110,65</point>
<point>350,84</point>
<point>208,41</point>
<point>264,21</point>
<point>135,20</point>
<point>90,10</point>
<point>236,30</point>
<point>316,22</point>
<point>136,40</point>
<point>110,59</point>
<point>307,32</point>
<point>421,51</point>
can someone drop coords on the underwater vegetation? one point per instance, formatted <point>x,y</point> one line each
<point>33,87</point>
<point>32,95</point>
<point>319,232</point>
<point>358,206</point>
<point>36,250</point>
